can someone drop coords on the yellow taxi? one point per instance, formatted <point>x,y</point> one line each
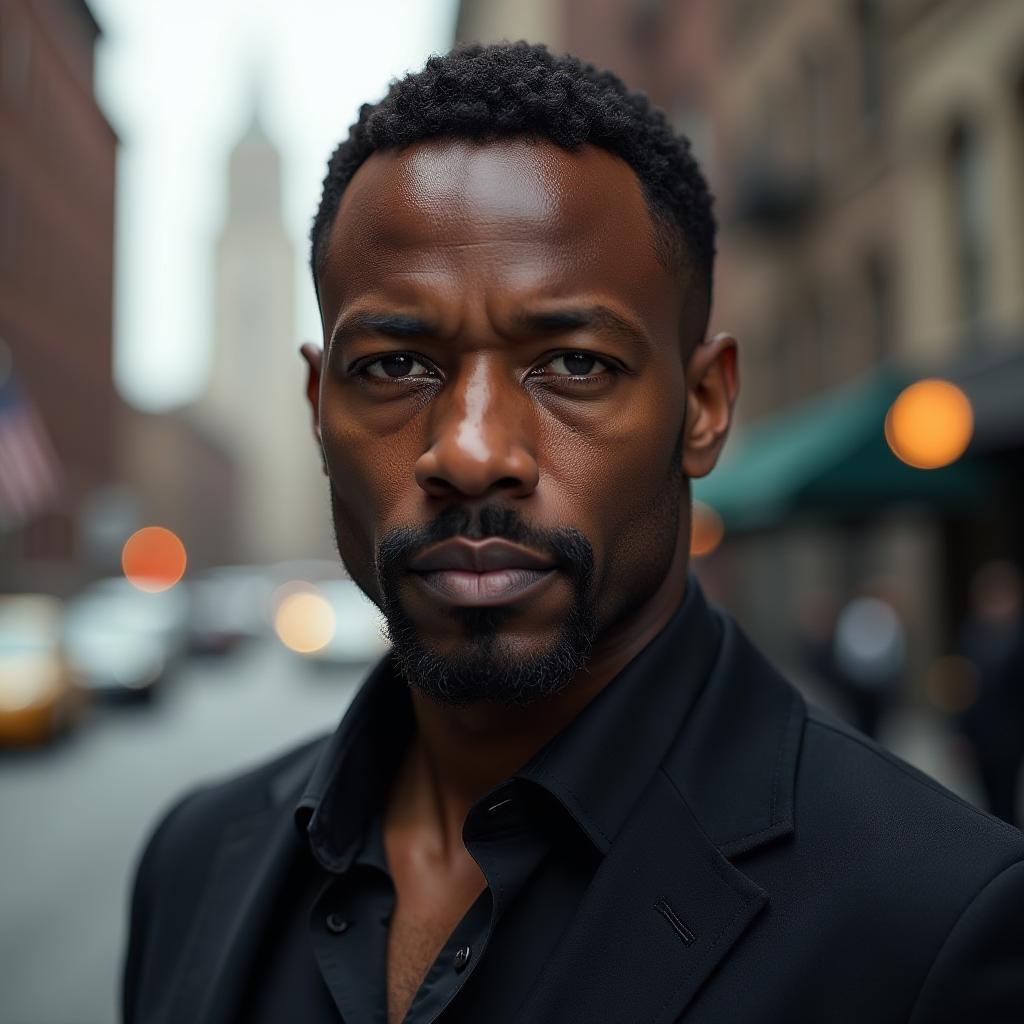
<point>39,698</point>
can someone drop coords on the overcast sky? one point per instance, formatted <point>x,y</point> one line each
<point>176,82</point>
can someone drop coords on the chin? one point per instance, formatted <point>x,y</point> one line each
<point>488,661</point>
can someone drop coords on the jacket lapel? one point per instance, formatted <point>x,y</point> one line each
<point>663,910</point>
<point>667,904</point>
<point>250,866</point>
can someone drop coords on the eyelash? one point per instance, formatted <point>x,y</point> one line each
<point>360,367</point>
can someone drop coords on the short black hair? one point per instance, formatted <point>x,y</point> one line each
<point>522,89</point>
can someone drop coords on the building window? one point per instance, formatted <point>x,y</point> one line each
<point>816,90</point>
<point>691,119</point>
<point>878,281</point>
<point>778,388</point>
<point>819,372</point>
<point>870,57</point>
<point>1020,141</point>
<point>646,23</point>
<point>967,200</point>
<point>15,60</point>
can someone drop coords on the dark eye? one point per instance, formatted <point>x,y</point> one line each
<point>576,364</point>
<point>396,365</point>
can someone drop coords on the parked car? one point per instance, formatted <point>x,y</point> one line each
<point>39,696</point>
<point>228,605</point>
<point>121,640</point>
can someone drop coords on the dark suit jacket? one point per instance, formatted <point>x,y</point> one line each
<point>819,879</point>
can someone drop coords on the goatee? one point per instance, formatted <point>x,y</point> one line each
<point>485,667</point>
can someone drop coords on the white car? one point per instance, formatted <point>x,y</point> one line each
<point>228,605</point>
<point>121,640</point>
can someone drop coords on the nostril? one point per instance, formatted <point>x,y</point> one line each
<point>437,485</point>
<point>443,471</point>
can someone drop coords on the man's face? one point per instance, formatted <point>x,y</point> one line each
<point>502,407</point>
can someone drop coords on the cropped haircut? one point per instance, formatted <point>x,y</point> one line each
<point>508,90</point>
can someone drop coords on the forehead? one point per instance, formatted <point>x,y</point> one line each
<point>512,215</point>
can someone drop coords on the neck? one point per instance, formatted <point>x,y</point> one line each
<point>459,754</point>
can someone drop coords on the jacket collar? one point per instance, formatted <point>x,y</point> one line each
<point>735,763</point>
<point>599,766</point>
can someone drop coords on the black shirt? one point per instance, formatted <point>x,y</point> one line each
<point>539,839</point>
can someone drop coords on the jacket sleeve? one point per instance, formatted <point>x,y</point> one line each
<point>978,974</point>
<point>147,880</point>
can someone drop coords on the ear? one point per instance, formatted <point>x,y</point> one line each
<point>314,361</point>
<point>712,384</point>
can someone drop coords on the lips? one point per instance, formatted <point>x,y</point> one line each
<point>481,574</point>
<point>483,556</point>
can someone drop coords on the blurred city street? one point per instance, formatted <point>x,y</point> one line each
<point>169,527</point>
<point>75,815</point>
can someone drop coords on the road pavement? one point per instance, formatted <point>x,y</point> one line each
<point>74,816</point>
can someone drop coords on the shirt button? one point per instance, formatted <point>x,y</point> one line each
<point>461,958</point>
<point>336,924</point>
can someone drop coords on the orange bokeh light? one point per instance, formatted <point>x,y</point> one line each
<point>707,530</point>
<point>153,559</point>
<point>930,424</point>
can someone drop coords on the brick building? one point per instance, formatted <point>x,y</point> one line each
<point>57,170</point>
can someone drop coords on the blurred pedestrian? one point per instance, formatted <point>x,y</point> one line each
<point>869,657</point>
<point>859,651</point>
<point>993,641</point>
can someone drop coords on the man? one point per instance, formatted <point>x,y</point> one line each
<point>573,791</point>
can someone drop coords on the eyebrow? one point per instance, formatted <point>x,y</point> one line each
<point>402,325</point>
<point>598,316</point>
<point>391,325</point>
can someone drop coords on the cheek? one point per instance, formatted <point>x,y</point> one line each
<point>642,543</point>
<point>618,480</point>
<point>370,482</point>
<point>369,462</point>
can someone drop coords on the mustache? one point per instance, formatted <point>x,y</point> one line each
<point>566,546</point>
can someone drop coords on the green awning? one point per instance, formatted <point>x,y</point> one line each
<point>829,459</point>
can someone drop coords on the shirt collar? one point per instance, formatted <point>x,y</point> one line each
<point>596,768</point>
<point>352,775</point>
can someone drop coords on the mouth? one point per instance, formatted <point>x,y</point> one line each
<point>481,574</point>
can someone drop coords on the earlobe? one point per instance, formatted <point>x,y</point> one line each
<point>712,386</point>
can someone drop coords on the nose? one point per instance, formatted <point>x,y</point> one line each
<point>478,439</point>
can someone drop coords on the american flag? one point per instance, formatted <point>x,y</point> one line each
<point>29,469</point>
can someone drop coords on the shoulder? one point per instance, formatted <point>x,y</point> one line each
<point>928,880</point>
<point>893,847</point>
<point>845,775</point>
<point>175,867</point>
<point>187,833</point>
<point>819,804</point>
